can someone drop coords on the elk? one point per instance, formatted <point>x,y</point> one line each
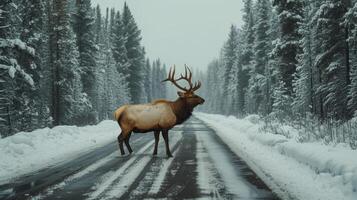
<point>159,116</point>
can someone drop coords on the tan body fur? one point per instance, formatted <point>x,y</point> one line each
<point>144,118</point>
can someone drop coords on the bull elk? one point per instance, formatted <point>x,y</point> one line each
<point>160,115</point>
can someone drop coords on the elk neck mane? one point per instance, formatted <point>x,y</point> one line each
<point>181,109</point>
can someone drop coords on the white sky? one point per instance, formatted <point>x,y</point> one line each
<point>181,32</point>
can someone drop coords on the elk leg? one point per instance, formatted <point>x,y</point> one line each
<point>157,137</point>
<point>166,138</point>
<point>120,142</point>
<point>127,143</point>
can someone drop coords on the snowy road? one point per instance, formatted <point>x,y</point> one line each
<point>202,167</point>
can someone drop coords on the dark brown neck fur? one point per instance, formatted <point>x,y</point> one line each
<point>182,110</point>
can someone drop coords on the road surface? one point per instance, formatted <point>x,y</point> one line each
<point>203,167</point>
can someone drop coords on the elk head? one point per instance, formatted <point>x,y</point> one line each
<point>188,94</point>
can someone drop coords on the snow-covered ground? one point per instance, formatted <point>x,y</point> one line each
<point>27,152</point>
<point>293,170</point>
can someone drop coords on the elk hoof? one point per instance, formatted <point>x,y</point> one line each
<point>169,155</point>
<point>155,153</point>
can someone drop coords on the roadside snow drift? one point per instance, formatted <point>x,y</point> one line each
<point>27,152</point>
<point>293,170</point>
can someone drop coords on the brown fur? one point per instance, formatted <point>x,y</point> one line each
<point>181,110</point>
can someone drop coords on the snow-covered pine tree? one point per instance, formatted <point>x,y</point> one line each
<point>272,71</point>
<point>246,57</point>
<point>101,34</point>
<point>230,58</point>
<point>155,79</point>
<point>212,91</point>
<point>332,59</point>
<point>111,21</point>
<point>68,101</point>
<point>351,23</point>
<point>134,54</point>
<point>290,17</point>
<point>143,94</point>
<point>303,80</point>
<point>281,102</point>
<point>118,47</point>
<point>112,85</point>
<point>84,29</point>
<point>147,80</point>
<point>99,25</point>
<point>248,33</point>
<point>233,88</point>
<point>12,74</point>
<point>163,75</point>
<point>257,92</point>
<point>35,100</point>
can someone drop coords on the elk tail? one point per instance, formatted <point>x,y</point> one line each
<point>119,112</point>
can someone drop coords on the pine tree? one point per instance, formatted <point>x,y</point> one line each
<point>155,76</point>
<point>112,84</point>
<point>11,84</point>
<point>272,71</point>
<point>112,22</point>
<point>248,33</point>
<point>303,80</point>
<point>162,76</point>
<point>134,54</point>
<point>98,31</point>
<point>350,23</point>
<point>246,56</point>
<point>332,60</point>
<point>230,58</point>
<point>290,16</point>
<point>84,30</point>
<point>147,80</point>
<point>118,47</point>
<point>68,101</point>
<point>211,87</point>
<point>257,93</point>
<point>34,105</point>
<point>143,94</point>
<point>282,102</point>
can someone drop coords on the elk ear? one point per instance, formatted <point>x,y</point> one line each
<point>181,94</point>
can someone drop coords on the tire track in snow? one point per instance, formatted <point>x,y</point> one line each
<point>180,181</point>
<point>73,187</point>
<point>209,180</point>
<point>109,178</point>
<point>238,179</point>
<point>155,172</point>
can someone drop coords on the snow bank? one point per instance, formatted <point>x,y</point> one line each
<point>26,152</point>
<point>291,169</point>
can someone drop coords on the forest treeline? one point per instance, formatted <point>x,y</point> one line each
<point>64,62</point>
<point>291,59</point>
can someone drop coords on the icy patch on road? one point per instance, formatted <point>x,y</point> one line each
<point>293,170</point>
<point>26,152</point>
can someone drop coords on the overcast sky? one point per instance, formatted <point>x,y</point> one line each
<point>182,31</point>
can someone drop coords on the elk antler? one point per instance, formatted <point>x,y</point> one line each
<point>187,77</point>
